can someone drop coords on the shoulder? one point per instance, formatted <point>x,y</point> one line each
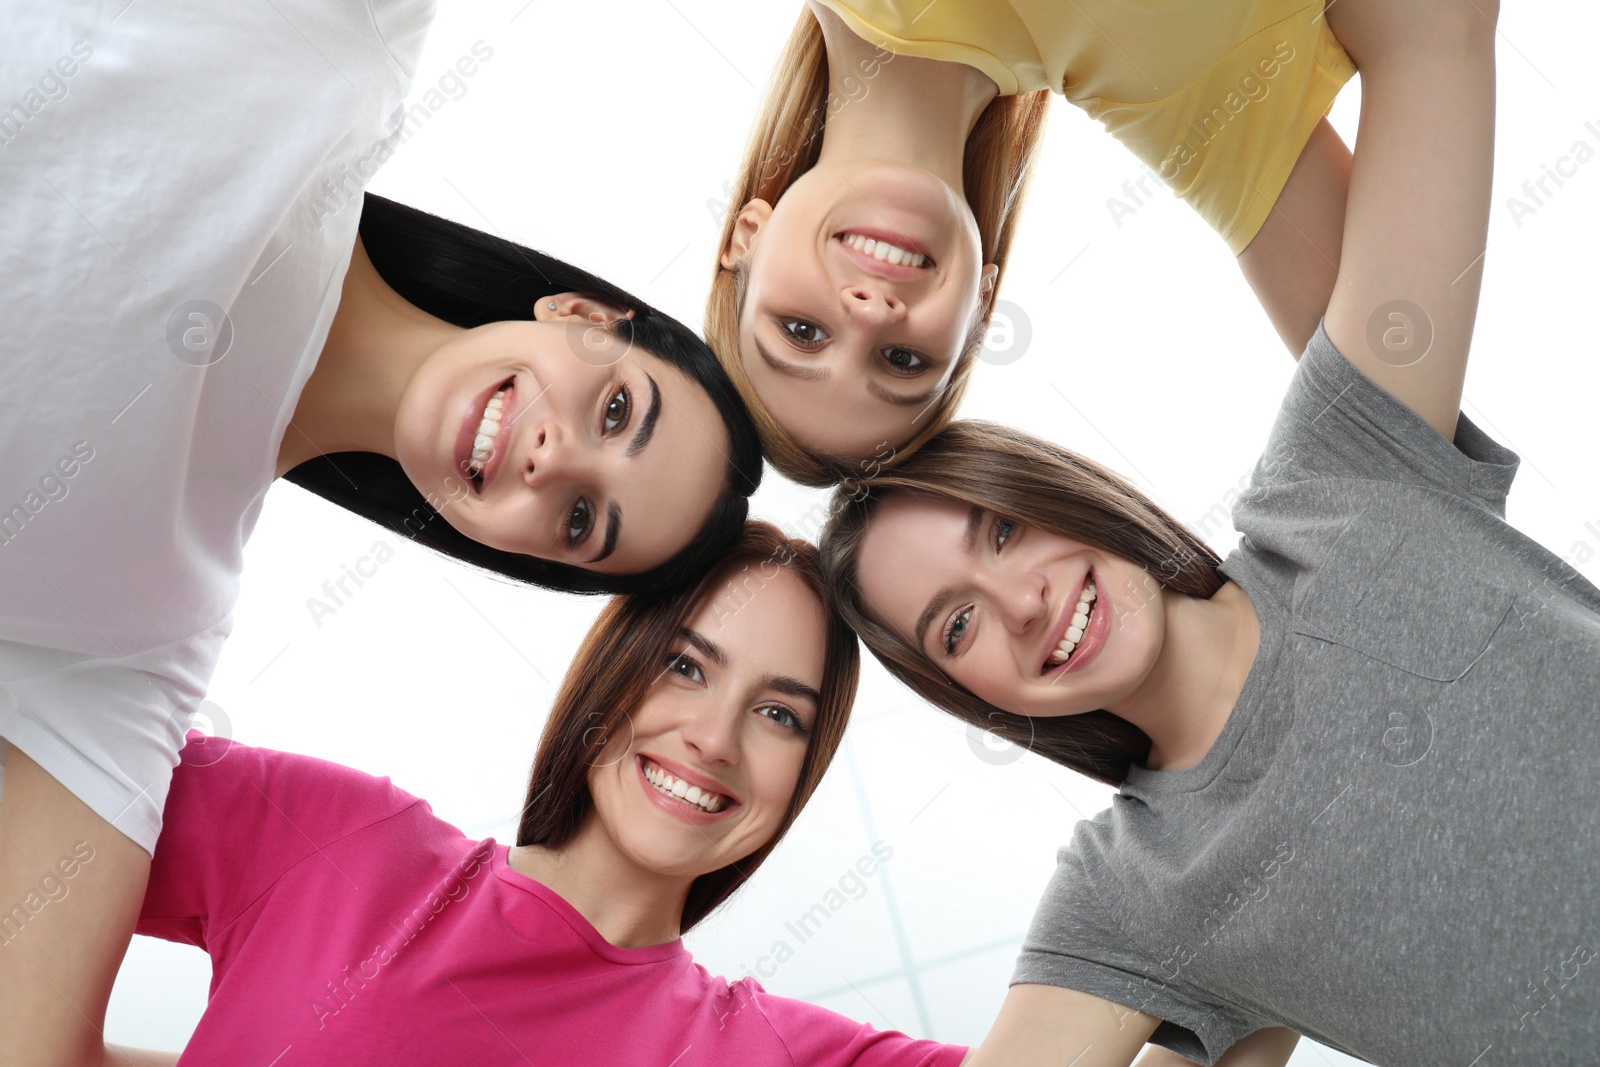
<point>816,1036</point>
<point>219,781</point>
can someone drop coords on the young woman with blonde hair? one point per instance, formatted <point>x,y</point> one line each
<point>1354,760</point>
<point>870,222</point>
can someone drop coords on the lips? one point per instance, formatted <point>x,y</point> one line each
<point>882,268</point>
<point>679,806</point>
<point>1093,638</point>
<point>471,419</point>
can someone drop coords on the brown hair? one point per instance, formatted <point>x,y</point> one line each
<point>1037,483</point>
<point>786,143</point>
<point>624,654</point>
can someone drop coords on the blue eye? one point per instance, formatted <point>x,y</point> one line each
<point>956,629</point>
<point>1002,532</point>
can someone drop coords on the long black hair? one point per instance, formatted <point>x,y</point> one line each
<point>469,278</point>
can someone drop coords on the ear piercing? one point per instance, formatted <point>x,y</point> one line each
<point>551,305</point>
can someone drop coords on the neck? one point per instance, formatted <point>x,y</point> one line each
<point>376,343</point>
<point>1207,649</point>
<point>629,906</point>
<point>902,108</point>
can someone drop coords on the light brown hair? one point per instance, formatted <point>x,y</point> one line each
<point>786,143</point>
<point>626,652</point>
<point>1036,483</point>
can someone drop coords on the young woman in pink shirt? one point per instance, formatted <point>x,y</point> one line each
<point>351,924</point>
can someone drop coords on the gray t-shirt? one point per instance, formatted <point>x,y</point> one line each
<point>1391,846</point>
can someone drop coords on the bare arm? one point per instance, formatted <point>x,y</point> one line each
<point>1417,219</point>
<point>1046,1026</point>
<point>118,1056</point>
<point>59,958</point>
<point>1293,260</point>
<point>1270,1047</point>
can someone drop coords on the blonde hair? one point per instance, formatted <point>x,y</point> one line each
<point>786,143</point>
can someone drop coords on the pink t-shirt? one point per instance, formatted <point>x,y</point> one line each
<point>346,923</point>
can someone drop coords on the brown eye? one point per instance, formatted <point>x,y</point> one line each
<point>617,410</point>
<point>578,522</point>
<point>783,716</point>
<point>804,334</point>
<point>904,361</point>
<point>686,668</point>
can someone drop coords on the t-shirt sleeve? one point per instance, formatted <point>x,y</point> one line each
<point>817,1037</point>
<point>237,818</point>
<point>1076,943</point>
<point>1336,422</point>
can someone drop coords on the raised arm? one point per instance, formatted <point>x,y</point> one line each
<point>1416,222</point>
<point>1293,260</point>
<point>1048,1026</point>
<point>1269,1047</point>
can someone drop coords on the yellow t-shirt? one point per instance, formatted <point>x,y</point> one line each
<point>1217,99</point>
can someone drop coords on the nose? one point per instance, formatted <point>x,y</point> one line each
<point>712,731</point>
<point>870,302</point>
<point>548,459</point>
<point>1019,600</point>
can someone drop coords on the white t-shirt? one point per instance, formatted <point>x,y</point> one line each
<point>180,187</point>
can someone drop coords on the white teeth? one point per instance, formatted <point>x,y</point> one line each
<point>488,429</point>
<point>677,787</point>
<point>1076,629</point>
<point>885,251</point>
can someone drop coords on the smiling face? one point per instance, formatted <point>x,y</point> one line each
<point>556,439</point>
<point>703,773</point>
<point>992,604</point>
<point>847,347</point>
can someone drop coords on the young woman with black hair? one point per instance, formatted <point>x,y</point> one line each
<point>204,302</point>
<point>1354,760</point>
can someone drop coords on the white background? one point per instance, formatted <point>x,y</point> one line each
<point>604,133</point>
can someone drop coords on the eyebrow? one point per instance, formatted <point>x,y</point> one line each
<point>783,683</point>
<point>708,648</point>
<point>901,399</point>
<point>647,425</point>
<point>793,370</point>
<point>817,374</point>
<point>793,686</point>
<point>969,537</point>
<point>613,528</point>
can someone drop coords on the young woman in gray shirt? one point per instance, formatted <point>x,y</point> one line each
<point>1354,758</point>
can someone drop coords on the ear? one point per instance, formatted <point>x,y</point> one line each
<point>986,285</point>
<point>579,306</point>
<point>751,218</point>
